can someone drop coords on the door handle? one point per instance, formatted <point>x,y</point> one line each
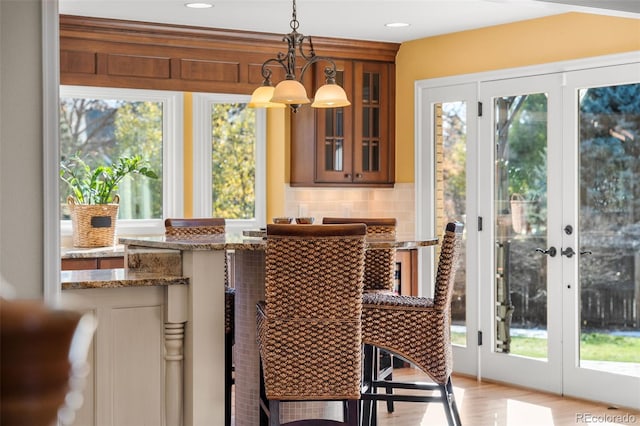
<point>551,251</point>
<point>586,252</point>
<point>567,252</point>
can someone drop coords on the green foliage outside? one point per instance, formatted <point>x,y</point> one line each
<point>234,173</point>
<point>593,347</point>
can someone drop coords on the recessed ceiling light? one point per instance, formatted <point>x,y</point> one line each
<point>198,5</point>
<point>396,24</point>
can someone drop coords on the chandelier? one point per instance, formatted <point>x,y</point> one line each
<point>290,91</point>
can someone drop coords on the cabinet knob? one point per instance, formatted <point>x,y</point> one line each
<point>358,175</point>
<point>347,175</point>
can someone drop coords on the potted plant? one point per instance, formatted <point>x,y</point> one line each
<point>93,203</point>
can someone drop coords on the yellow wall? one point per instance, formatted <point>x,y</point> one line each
<point>551,39</point>
<point>277,160</point>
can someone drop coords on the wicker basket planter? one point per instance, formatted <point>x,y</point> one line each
<point>93,224</point>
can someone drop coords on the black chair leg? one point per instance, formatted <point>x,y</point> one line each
<point>263,403</point>
<point>389,378</point>
<point>452,400</point>
<point>368,367</point>
<point>351,416</point>
<point>274,413</point>
<point>228,378</point>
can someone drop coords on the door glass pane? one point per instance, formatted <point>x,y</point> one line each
<point>333,154</point>
<point>366,152</point>
<point>329,127</point>
<point>375,156</point>
<point>339,127</point>
<point>451,151</point>
<point>366,116</point>
<point>366,87</point>
<point>375,83</point>
<point>521,224</point>
<point>609,246</point>
<point>334,139</point>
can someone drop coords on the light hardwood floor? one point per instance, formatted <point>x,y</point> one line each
<point>489,404</point>
<point>493,404</point>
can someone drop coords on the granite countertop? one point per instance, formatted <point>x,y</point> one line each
<point>249,240</point>
<point>115,278</point>
<point>83,253</point>
<point>228,241</point>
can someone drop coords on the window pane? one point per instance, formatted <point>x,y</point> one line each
<point>101,130</point>
<point>451,147</point>
<point>233,160</point>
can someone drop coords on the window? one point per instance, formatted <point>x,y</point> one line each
<point>229,160</point>
<point>101,124</point>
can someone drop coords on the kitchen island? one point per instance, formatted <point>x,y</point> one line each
<point>200,310</point>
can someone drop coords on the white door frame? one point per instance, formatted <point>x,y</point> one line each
<point>581,381</point>
<point>465,357</point>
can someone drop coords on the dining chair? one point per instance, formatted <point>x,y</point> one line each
<point>43,366</point>
<point>193,227</point>
<point>309,326</point>
<point>379,275</point>
<point>418,330</point>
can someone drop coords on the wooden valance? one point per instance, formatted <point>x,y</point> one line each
<point>144,55</point>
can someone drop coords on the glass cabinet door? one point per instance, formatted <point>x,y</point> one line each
<point>334,132</point>
<point>372,131</point>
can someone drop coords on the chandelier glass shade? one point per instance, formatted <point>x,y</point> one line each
<point>261,98</point>
<point>290,91</point>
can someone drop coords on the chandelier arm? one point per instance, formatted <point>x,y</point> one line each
<point>266,72</point>
<point>329,72</point>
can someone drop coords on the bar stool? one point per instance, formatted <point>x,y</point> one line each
<point>379,276</point>
<point>213,226</point>
<point>44,362</point>
<point>418,330</point>
<point>309,327</point>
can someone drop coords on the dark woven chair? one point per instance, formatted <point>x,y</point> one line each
<point>379,276</point>
<point>211,226</point>
<point>380,263</point>
<point>418,330</point>
<point>309,327</point>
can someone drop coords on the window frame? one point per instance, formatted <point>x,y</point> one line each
<point>202,167</point>
<point>172,153</point>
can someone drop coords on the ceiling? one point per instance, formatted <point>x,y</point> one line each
<point>352,19</point>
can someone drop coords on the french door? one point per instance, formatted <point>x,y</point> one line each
<point>601,283</point>
<point>521,300</point>
<point>545,172</point>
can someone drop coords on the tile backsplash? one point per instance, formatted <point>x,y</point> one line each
<point>398,202</point>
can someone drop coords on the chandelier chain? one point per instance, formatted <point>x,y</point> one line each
<point>294,24</point>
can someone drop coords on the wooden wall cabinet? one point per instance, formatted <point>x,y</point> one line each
<point>75,264</point>
<point>352,145</point>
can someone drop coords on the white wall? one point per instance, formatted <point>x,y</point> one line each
<point>21,179</point>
